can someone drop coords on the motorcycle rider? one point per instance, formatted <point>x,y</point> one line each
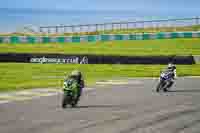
<point>77,77</point>
<point>172,68</point>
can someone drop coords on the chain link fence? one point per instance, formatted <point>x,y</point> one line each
<point>168,25</point>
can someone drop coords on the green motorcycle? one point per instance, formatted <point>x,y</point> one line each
<point>70,93</point>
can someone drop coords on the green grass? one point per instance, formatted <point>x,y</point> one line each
<point>125,48</point>
<point>14,76</point>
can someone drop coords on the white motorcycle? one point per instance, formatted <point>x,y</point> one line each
<point>165,79</point>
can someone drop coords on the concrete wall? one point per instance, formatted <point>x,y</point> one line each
<point>93,59</point>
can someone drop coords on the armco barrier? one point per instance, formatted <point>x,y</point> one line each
<point>1,39</point>
<point>93,59</point>
<point>94,38</point>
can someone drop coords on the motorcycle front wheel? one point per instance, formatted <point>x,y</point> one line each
<point>158,88</point>
<point>66,100</point>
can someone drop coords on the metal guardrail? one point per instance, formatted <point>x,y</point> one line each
<point>154,24</point>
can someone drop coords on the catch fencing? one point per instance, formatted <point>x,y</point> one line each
<point>153,25</point>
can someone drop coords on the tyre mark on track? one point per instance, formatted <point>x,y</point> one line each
<point>135,114</point>
<point>160,118</point>
<point>189,125</point>
<point>103,122</point>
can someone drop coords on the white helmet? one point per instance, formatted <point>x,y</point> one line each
<point>171,66</point>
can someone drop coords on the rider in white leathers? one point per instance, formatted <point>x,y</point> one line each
<point>171,67</point>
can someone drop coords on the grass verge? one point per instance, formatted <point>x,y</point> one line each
<point>14,76</point>
<point>124,48</point>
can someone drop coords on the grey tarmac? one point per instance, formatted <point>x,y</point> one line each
<point>134,107</point>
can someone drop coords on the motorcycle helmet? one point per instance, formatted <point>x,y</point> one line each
<point>171,66</point>
<point>76,74</point>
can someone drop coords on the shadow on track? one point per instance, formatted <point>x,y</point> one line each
<point>105,106</point>
<point>97,106</point>
<point>185,91</point>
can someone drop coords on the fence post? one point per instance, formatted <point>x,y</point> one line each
<point>49,30</point>
<point>65,29</point>
<point>96,28</point>
<point>72,29</point>
<point>127,26</point>
<point>174,27</point>
<point>197,23</point>
<point>89,28</point>
<point>197,20</point>
<point>120,26</point>
<point>135,25</point>
<point>40,29</point>
<point>80,29</point>
<point>143,26</point>
<point>112,26</point>
<point>104,28</point>
<point>56,29</point>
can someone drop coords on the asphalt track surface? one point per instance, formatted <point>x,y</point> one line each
<point>131,108</point>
